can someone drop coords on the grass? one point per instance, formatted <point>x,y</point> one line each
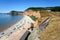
<point>45,13</point>
<point>52,31</point>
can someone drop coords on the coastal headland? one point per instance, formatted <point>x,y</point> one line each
<point>35,16</point>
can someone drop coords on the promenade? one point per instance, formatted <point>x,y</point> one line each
<point>16,31</point>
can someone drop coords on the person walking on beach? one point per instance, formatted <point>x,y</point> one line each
<point>32,26</point>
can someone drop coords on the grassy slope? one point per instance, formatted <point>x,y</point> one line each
<point>52,31</point>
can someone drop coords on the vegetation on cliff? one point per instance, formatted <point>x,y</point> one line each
<point>35,8</point>
<point>52,31</point>
<point>33,18</point>
<point>57,8</point>
<point>15,12</point>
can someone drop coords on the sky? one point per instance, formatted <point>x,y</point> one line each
<point>21,5</point>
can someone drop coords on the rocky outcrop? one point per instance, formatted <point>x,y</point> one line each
<point>16,13</point>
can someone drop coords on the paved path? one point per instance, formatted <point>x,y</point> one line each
<point>18,34</point>
<point>44,23</point>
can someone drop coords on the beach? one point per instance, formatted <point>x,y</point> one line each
<point>17,30</point>
<point>7,21</point>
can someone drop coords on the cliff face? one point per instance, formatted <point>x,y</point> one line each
<point>16,13</point>
<point>34,13</point>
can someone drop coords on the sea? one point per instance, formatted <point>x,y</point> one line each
<point>7,20</point>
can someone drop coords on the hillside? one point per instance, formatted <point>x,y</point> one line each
<point>56,8</point>
<point>35,8</point>
<point>52,31</point>
<point>16,12</point>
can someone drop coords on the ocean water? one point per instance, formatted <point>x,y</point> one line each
<point>7,20</point>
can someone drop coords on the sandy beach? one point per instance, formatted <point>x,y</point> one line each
<point>2,28</point>
<point>20,28</point>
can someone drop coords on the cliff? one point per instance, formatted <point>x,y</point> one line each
<point>16,13</point>
<point>35,15</point>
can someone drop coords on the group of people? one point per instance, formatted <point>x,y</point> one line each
<point>32,26</point>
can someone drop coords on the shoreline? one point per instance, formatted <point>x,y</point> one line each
<point>5,27</point>
<point>17,30</point>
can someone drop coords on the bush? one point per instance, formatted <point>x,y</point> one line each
<point>33,18</point>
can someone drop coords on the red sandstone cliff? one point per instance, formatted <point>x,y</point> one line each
<point>34,13</point>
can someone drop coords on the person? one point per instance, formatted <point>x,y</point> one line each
<point>32,26</point>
